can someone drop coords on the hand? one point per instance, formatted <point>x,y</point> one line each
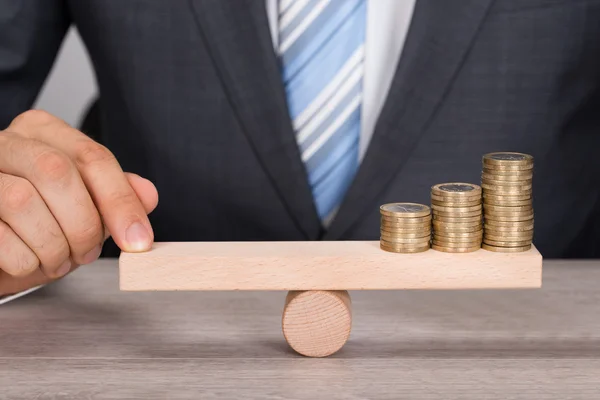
<point>61,196</point>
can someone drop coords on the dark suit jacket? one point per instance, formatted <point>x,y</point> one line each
<point>192,99</point>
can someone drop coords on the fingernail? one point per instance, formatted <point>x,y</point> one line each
<point>137,237</point>
<point>64,268</point>
<point>92,255</point>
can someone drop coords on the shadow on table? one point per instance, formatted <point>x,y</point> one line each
<point>58,325</point>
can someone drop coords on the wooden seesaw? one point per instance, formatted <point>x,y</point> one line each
<point>317,315</point>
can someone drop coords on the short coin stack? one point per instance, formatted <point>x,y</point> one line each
<point>457,217</point>
<point>507,201</point>
<point>405,227</point>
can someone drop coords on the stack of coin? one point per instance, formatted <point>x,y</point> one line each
<point>507,201</point>
<point>405,227</point>
<point>457,217</point>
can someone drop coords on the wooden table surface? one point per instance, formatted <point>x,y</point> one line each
<point>81,338</point>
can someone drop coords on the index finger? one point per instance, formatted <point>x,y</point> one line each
<point>119,206</point>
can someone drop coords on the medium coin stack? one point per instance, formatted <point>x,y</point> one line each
<point>506,180</point>
<point>405,227</point>
<point>507,201</point>
<point>457,217</point>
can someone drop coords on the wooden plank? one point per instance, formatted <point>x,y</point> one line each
<point>329,265</point>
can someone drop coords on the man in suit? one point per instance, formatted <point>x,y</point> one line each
<point>289,120</point>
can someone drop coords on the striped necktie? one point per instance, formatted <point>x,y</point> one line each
<point>321,46</point>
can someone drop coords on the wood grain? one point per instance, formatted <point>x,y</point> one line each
<point>334,265</point>
<point>317,323</point>
<point>82,338</point>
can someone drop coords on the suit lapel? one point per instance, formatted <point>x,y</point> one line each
<point>239,40</point>
<point>439,38</point>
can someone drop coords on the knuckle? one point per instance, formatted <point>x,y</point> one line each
<point>26,264</point>
<point>90,152</point>
<point>17,261</point>
<point>18,195</point>
<point>54,256</point>
<point>53,166</point>
<point>120,199</point>
<point>90,233</point>
<point>4,236</point>
<point>51,245</point>
<point>33,117</point>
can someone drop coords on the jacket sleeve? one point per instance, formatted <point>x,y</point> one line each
<point>31,33</point>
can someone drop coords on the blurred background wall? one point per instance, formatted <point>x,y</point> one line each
<point>71,85</point>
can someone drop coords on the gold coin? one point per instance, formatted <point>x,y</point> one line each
<point>450,203</point>
<point>464,239</point>
<point>506,249</point>
<point>460,198</point>
<point>459,234</point>
<point>507,172</point>
<point>527,192</point>
<point>457,214</point>
<point>490,182</point>
<point>506,218</point>
<point>457,220</point>
<point>507,158</point>
<point>505,203</point>
<point>458,245</point>
<point>404,210</point>
<point>404,250</point>
<point>514,197</point>
<point>457,199</point>
<point>506,178</point>
<point>508,209</point>
<point>464,243</point>
<point>407,221</point>
<point>505,188</point>
<point>524,235</point>
<point>407,229</point>
<point>459,224</point>
<point>404,239</point>
<point>456,209</point>
<point>493,214</point>
<point>506,244</point>
<point>505,169</point>
<point>457,228</point>
<point>508,239</point>
<point>419,233</point>
<point>457,242</point>
<point>519,234</point>
<point>487,237</point>
<point>457,239</point>
<point>509,224</point>
<point>446,249</point>
<point>396,245</point>
<point>456,189</point>
<point>403,229</point>
<point>494,228</point>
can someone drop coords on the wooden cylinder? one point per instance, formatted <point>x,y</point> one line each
<point>317,323</point>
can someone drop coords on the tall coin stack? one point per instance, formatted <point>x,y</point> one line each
<point>457,217</point>
<point>405,227</point>
<point>506,180</point>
